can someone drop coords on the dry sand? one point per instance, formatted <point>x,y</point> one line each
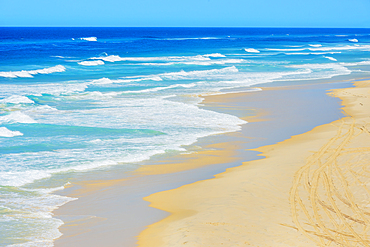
<point>311,190</point>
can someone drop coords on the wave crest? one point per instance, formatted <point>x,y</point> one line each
<point>30,73</point>
<point>4,132</point>
<point>89,38</point>
<point>91,63</point>
<point>353,40</point>
<point>16,117</point>
<point>251,50</point>
<point>330,58</point>
<point>16,99</point>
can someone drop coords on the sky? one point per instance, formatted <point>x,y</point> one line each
<point>186,13</point>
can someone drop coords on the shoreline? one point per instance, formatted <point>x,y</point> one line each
<point>310,189</point>
<point>90,218</point>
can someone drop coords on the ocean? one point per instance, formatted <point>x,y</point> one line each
<point>85,99</point>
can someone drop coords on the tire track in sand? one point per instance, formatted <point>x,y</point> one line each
<point>330,196</point>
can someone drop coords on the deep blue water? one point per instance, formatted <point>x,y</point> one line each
<point>78,99</point>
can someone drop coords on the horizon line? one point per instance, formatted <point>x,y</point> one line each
<point>183,27</point>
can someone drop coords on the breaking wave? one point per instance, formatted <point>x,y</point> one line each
<point>91,63</point>
<point>31,73</point>
<point>16,99</point>
<point>331,58</point>
<point>90,39</point>
<point>353,40</point>
<point>16,117</point>
<point>4,132</point>
<point>251,50</point>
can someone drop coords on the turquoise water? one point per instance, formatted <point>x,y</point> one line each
<point>81,99</point>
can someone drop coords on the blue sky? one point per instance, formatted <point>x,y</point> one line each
<point>186,13</point>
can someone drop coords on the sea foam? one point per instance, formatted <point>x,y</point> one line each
<point>251,50</point>
<point>30,73</point>
<point>16,117</point>
<point>353,40</point>
<point>330,58</point>
<point>342,48</point>
<point>17,99</point>
<point>367,62</point>
<point>89,38</point>
<point>323,71</point>
<point>298,53</point>
<point>116,58</point>
<point>4,132</point>
<point>105,81</point>
<point>91,63</point>
<point>33,208</point>
<point>214,55</point>
<point>198,74</point>
<point>279,49</point>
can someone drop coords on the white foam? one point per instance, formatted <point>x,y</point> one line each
<point>201,63</point>
<point>58,56</point>
<point>18,178</point>
<point>30,73</point>
<point>367,62</point>
<point>102,81</point>
<point>16,117</point>
<point>342,48</point>
<point>298,53</point>
<point>330,58</point>
<point>322,71</point>
<point>41,109</point>
<point>32,208</point>
<point>49,190</point>
<point>17,99</point>
<point>116,58</point>
<point>156,89</point>
<point>251,50</point>
<point>181,75</point>
<point>105,81</point>
<point>198,74</point>
<point>204,38</point>
<point>96,141</point>
<point>111,58</point>
<point>322,53</point>
<point>270,49</point>
<point>58,68</point>
<point>213,62</point>
<point>315,45</point>
<point>214,55</point>
<point>90,39</point>
<point>353,40</point>
<point>4,132</point>
<point>209,38</point>
<point>91,63</point>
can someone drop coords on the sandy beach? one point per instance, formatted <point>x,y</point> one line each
<point>310,190</point>
<point>111,211</point>
<point>128,135</point>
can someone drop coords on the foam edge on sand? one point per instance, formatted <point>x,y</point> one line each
<point>311,189</point>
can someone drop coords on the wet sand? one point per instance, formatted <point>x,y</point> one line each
<point>111,211</point>
<point>312,189</point>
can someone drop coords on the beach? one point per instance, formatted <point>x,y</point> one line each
<point>184,123</point>
<point>95,121</point>
<point>309,190</point>
<point>112,212</point>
